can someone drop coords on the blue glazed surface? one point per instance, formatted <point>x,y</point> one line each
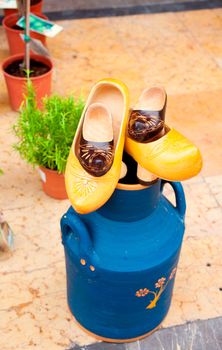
<point>129,247</point>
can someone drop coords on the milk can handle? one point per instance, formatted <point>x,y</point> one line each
<point>179,194</point>
<point>72,223</point>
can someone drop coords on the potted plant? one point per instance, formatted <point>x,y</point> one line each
<point>13,31</point>
<point>45,137</point>
<point>16,77</point>
<point>36,7</point>
<point>16,68</point>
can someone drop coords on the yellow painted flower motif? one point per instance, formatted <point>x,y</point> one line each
<point>173,273</point>
<point>160,285</point>
<point>160,282</point>
<point>142,292</point>
<point>85,186</point>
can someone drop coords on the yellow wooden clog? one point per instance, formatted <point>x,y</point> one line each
<point>85,191</point>
<point>172,157</point>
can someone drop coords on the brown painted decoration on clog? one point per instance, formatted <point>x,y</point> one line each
<point>96,147</point>
<point>144,126</point>
<point>146,123</point>
<point>96,157</point>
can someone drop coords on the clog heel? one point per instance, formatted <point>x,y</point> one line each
<point>95,159</point>
<point>159,149</point>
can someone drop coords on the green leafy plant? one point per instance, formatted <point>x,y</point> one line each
<point>45,136</point>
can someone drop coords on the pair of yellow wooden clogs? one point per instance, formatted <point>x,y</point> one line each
<point>106,127</point>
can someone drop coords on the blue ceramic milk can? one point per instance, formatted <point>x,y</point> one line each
<point>121,261</point>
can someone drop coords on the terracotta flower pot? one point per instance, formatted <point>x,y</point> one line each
<point>53,183</point>
<point>16,44</point>
<point>17,86</point>
<point>37,8</point>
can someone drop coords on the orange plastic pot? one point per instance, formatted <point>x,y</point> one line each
<point>37,8</point>
<point>16,44</point>
<point>17,86</point>
<point>53,183</point>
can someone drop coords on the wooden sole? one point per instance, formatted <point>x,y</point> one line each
<point>111,340</point>
<point>145,177</point>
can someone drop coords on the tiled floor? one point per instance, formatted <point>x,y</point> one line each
<point>181,51</point>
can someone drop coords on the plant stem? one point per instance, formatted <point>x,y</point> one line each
<point>27,34</point>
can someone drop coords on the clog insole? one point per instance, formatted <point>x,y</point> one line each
<point>113,99</point>
<point>152,99</point>
<point>97,125</point>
